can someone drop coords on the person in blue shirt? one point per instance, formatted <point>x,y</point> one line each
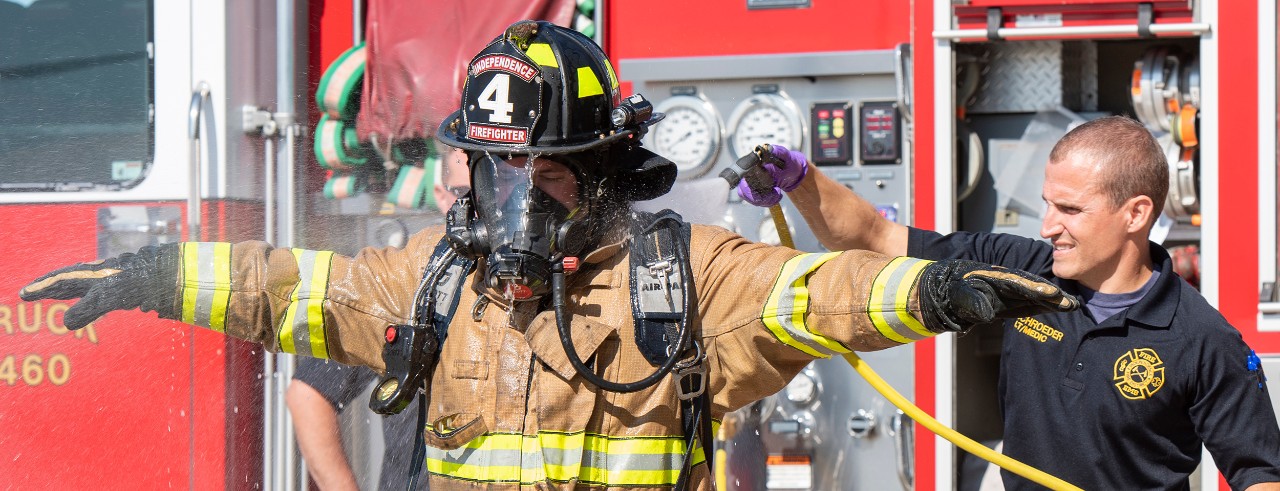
<point>1120,394</point>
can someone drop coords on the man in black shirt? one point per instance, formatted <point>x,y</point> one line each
<point>1120,394</point>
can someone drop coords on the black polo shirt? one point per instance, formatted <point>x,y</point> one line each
<point>1124,403</point>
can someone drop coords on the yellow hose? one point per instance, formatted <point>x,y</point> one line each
<point>1036,475</point>
<point>780,223</point>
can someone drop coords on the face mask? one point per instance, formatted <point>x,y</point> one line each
<point>523,217</point>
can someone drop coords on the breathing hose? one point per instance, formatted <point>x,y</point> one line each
<point>914,412</point>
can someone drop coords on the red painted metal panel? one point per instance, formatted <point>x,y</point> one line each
<point>1238,174</point>
<point>924,130</point>
<point>1157,4</point>
<point>1075,14</point>
<point>131,401</point>
<point>679,28</point>
<point>108,407</point>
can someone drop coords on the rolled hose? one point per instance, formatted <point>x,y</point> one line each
<point>914,412</point>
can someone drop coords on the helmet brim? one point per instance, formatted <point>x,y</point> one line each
<point>644,175</point>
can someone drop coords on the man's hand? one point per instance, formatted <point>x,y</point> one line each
<point>146,280</point>
<point>957,295</point>
<point>786,167</point>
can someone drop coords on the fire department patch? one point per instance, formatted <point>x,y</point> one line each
<point>1139,373</point>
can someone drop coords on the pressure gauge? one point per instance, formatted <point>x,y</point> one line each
<point>765,118</point>
<point>802,389</point>
<point>689,136</point>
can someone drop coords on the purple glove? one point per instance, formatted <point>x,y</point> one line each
<point>786,167</point>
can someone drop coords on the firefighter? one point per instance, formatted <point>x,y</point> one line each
<point>1125,392</point>
<point>575,343</point>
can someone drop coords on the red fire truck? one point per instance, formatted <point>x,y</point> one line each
<point>136,122</point>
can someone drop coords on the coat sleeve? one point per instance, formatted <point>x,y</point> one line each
<point>310,303</point>
<point>766,311</point>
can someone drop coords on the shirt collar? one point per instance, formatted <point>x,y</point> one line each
<point>1157,307</point>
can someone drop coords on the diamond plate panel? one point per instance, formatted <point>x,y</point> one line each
<point>1080,76</point>
<point>1019,77</point>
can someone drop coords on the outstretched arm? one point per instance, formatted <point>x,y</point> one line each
<point>309,303</point>
<point>842,220</point>
<point>839,218</point>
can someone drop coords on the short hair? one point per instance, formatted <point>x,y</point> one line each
<point>1130,160</point>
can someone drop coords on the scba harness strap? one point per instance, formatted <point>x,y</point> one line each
<point>408,366</point>
<point>660,295</point>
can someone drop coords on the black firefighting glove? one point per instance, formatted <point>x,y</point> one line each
<point>143,280</point>
<point>956,295</point>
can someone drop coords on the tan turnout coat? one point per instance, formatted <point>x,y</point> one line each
<point>506,407</point>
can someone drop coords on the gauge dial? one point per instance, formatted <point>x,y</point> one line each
<point>689,136</point>
<point>766,118</point>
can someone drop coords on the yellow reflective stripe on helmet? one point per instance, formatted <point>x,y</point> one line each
<point>588,84</point>
<point>206,283</point>
<point>302,331</point>
<point>784,314</point>
<point>613,77</point>
<point>890,293</point>
<point>589,458</point>
<point>541,54</point>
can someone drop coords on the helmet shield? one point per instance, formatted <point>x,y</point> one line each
<point>523,202</point>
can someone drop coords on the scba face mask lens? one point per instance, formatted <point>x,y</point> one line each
<point>526,206</point>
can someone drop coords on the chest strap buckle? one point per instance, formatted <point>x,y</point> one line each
<point>693,381</point>
<point>692,374</point>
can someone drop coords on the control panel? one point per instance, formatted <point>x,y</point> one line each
<point>838,108</point>
<point>879,124</point>
<point>832,133</point>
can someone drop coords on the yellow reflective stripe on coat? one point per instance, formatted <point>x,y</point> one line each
<point>784,314</point>
<point>890,293</point>
<point>206,283</point>
<point>590,458</point>
<point>302,331</point>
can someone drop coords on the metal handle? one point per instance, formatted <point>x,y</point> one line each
<point>199,98</point>
<point>902,78</point>
<point>903,433</point>
<point>1188,28</point>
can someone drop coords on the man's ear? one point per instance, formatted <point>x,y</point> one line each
<point>1140,213</point>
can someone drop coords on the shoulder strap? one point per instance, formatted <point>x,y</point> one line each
<point>436,308</point>
<point>659,253</point>
<point>657,288</point>
<point>447,288</point>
